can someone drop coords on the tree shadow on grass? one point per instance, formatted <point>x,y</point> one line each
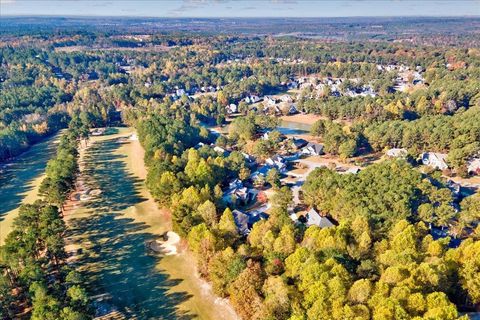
<point>16,178</point>
<point>107,171</point>
<point>115,262</point>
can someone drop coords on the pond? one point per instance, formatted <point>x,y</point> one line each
<point>292,128</point>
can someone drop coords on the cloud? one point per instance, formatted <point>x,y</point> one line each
<point>3,2</point>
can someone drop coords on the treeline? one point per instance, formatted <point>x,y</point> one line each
<point>18,137</point>
<point>35,279</point>
<point>459,135</point>
<point>379,262</point>
<point>183,178</point>
<point>41,88</point>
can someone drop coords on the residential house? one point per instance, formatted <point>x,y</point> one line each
<point>313,149</point>
<point>292,109</point>
<point>269,101</point>
<point>434,159</point>
<point>286,98</point>
<point>306,85</point>
<point>235,184</point>
<point>397,153</point>
<point>474,166</point>
<point>221,150</point>
<point>261,171</point>
<point>298,143</point>
<point>127,69</point>
<point>232,108</point>
<point>266,135</point>
<point>320,87</point>
<point>313,218</point>
<point>292,85</point>
<point>240,196</point>
<point>252,99</point>
<point>301,80</point>
<point>245,220</point>
<point>454,187</point>
<point>249,158</point>
<point>180,92</point>
<point>277,162</point>
<point>242,222</point>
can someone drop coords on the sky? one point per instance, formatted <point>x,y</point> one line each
<point>241,8</point>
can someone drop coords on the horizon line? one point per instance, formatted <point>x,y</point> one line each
<point>232,17</point>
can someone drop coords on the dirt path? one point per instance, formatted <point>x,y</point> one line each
<point>112,229</point>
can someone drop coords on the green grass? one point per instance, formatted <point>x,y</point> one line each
<point>20,181</point>
<point>112,231</point>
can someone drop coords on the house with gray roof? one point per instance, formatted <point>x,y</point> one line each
<point>313,218</point>
<point>435,160</point>
<point>245,220</point>
<point>313,149</point>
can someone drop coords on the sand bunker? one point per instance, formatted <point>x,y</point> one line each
<point>122,140</point>
<point>95,192</point>
<point>168,247</point>
<point>85,197</point>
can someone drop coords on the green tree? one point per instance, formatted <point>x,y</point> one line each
<point>273,178</point>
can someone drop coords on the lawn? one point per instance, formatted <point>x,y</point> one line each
<point>20,180</point>
<point>112,230</point>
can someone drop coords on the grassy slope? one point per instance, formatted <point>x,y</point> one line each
<point>20,181</point>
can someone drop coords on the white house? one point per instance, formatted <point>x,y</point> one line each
<point>306,85</point>
<point>265,135</point>
<point>353,170</point>
<point>474,166</point>
<point>232,108</point>
<point>313,149</point>
<point>397,153</point>
<point>454,187</point>
<point>434,159</point>
<point>199,145</point>
<point>277,162</point>
<point>179,92</point>
<point>313,218</point>
<point>269,100</point>
<point>221,150</point>
<point>252,99</point>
